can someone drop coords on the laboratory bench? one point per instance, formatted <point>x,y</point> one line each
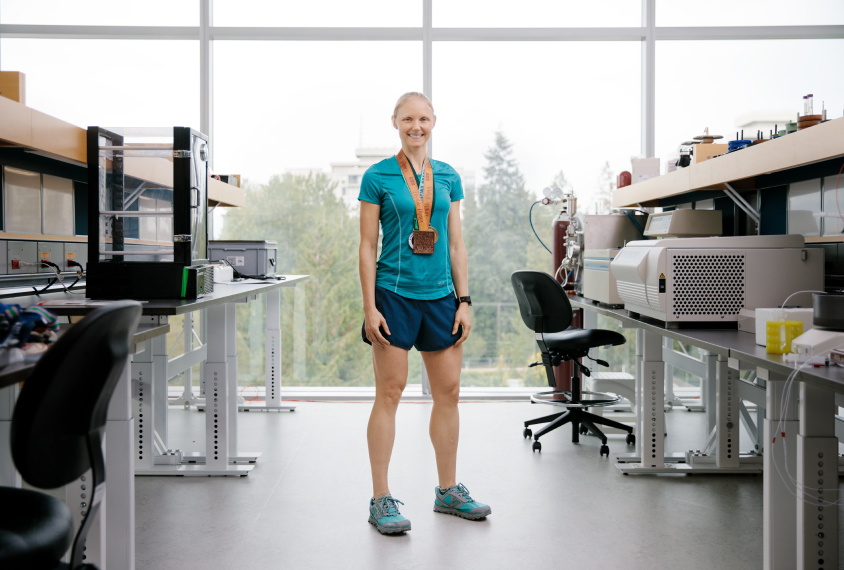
<point>795,446</point>
<point>141,396</point>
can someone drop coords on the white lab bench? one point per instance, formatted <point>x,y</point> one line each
<point>800,528</point>
<point>141,400</point>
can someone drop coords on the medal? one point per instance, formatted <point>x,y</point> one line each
<point>422,240</point>
<point>411,241</point>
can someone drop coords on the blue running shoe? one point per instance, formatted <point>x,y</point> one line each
<point>385,516</point>
<point>456,501</point>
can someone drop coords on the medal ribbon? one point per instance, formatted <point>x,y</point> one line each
<point>424,203</point>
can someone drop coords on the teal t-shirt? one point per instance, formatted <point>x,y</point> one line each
<point>415,276</point>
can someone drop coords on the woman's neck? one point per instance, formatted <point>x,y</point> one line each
<point>416,156</point>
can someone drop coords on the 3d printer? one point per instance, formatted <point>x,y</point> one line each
<point>148,214</point>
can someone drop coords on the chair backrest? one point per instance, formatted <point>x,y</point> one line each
<point>543,303</point>
<point>67,395</point>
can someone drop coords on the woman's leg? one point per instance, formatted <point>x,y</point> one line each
<point>443,369</point>
<point>390,365</point>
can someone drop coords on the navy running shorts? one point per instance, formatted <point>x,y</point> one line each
<point>426,325</point>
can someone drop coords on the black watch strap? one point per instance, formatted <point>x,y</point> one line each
<point>466,299</point>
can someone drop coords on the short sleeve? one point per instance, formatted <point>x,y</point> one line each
<point>370,186</point>
<point>456,186</point>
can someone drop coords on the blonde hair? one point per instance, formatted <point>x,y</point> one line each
<point>412,95</point>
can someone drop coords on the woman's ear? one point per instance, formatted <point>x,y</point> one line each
<point>395,124</point>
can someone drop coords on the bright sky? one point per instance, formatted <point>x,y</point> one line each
<point>568,106</point>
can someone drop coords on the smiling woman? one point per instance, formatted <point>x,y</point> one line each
<point>409,301</point>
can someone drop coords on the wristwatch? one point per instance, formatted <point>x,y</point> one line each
<point>466,299</point>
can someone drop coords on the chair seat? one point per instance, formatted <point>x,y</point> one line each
<point>582,339</point>
<point>36,529</point>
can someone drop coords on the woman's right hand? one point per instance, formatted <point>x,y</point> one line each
<point>374,321</point>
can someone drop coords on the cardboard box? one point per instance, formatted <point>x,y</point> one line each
<point>644,169</point>
<point>706,151</point>
<point>13,86</point>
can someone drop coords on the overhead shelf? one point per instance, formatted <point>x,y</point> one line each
<point>21,126</point>
<point>739,169</point>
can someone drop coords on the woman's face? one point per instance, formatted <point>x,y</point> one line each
<point>414,121</point>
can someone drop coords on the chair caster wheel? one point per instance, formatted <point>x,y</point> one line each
<point>631,439</point>
<point>584,430</point>
<point>537,446</point>
<point>605,450</point>
<point>527,433</point>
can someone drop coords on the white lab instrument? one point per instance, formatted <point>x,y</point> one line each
<point>713,279</point>
<point>816,342</point>
<point>685,223</point>
<point>604,236</point>
<point>598,281</point>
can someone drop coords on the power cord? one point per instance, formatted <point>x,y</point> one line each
<point>264,277</point>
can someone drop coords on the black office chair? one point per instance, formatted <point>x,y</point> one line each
<point>546,310</point>
<point>56,436</point>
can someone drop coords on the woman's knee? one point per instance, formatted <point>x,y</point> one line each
<point>448,394</point>
<point>390,392</point>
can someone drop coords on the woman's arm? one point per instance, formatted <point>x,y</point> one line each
<point>369,215</point>
<point>459,270</point>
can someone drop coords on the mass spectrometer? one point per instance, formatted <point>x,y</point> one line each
<point>712,279</point>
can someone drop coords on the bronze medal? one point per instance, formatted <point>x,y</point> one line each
<point>422,240</point>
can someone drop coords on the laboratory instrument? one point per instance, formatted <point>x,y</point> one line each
<point>685,223</point>
<point>148,213</point>
<point>713,279</point>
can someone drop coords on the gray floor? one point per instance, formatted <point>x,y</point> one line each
<point>305,503</point>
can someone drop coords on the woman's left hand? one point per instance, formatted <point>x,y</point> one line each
<point>461,318</point>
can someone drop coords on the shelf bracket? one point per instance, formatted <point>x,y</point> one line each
<point>742,203</point>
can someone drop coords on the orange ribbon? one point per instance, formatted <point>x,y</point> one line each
<point>423,203</point>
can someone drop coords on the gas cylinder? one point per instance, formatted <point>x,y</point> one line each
<point>563,372</point>
<point>558,240</point>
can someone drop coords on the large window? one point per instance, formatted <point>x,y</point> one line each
<point>297,98</point>
<point>318,13</point>
<point>749,13</point>
<point>99,13</point>
<point>535,13</point>
<point>735,86</point>
<point>109,83</point>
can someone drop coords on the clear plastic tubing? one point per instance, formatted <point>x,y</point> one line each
<point>809,103</point>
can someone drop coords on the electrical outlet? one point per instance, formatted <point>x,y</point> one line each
<point>51,251</point>
<point>20,254</point>
<point>77,252</point>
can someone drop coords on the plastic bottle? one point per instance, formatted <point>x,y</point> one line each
<point>809,104</point>
<point>804,105</point>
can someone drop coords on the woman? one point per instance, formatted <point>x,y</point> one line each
<point>409,300</point>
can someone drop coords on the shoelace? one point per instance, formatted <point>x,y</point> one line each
<point>463,492</point>
<point>389,507</point>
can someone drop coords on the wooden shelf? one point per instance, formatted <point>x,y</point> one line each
<point>21,126</point>
<point>739,169</point>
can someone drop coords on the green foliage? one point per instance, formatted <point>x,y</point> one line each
<point>317,236</point>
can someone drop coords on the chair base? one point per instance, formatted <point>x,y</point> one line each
<point>582,422</point>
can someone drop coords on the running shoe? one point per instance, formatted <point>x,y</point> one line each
<point>457,501</point>
<point>385,516</point>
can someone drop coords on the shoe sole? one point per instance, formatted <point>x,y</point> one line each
<point>384,530</point>
<point>459,513</point>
